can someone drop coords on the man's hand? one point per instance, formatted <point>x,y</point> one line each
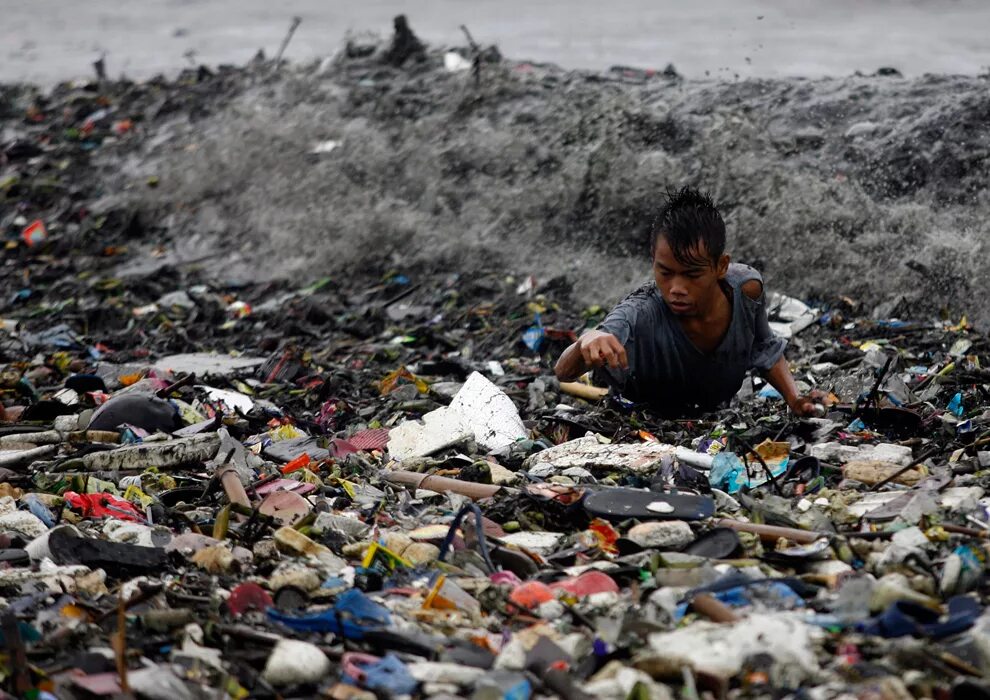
<point>780,379</point>
<point>599,348</point>
<point>807,406</point>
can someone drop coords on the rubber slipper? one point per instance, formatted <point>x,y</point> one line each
<point>623,504</point>
<point>353,616</point>
<point>905,618</point>
<point>14,557</point>
<point>720,543</point>
<point>963,612</point>
<point>814,551</point>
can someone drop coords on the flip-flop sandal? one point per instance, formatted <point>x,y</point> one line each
<point>719,543</point>
<point>814,551</point>
<point>623,504</point>
<point>905,618</point>
<point>14,557</point>
<point>891,509</point>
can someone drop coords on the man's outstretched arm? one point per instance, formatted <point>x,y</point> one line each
<point>780,378</point>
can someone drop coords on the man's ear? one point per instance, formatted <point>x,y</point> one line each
<point>723,266</point>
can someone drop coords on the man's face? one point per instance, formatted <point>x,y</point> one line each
<point>689,290</point>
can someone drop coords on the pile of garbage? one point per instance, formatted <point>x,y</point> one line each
<point>399,499</point>
<point>371,485</point>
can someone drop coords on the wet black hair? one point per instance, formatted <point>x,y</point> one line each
<point>689,217</point>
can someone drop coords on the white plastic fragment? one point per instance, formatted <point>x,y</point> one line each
<point>205,363</point>
<point>539,542</point>
<point>862,129</point>
<point>51,575</point>
<point>440,672</point>
<point>479,410</point>
<point>961,499</point>
<point>659,507</point>
<point>437,431</point>
<point>158,682</point>
<point>162,455</point>
<point>293,662</point>
<point>136,533</point>
<point>795,315</point>
<point>24,523</point>
<point>882,452</point>
<point>698,460</point>
<point>234,399</point>
<point>455,63</point>
<point>489,413</point>
<point>588,453</point>
<point>324,147</point>
<point>721,649</point>
<point>616,682</point>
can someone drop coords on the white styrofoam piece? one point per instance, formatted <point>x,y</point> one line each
<point>479,409</point>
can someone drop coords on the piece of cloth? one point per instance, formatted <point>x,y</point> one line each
<point>668,371</point>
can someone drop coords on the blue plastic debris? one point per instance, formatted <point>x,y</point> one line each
<point>39,509</point>
<point>533,336</point>
<point>775,594</point>
<point>768,392</point>
<point>352,616</point>
<point>856,426</point>
<point>956,406</point>
<point>387,675</point>
<point>728,473</point>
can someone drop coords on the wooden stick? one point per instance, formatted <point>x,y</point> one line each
<point>296,21</point>
<point>713,608</point>
<point>584,391</point>
<point>772,533</point>
<point>442,484</point>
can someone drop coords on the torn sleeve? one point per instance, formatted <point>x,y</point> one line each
<point>768,347</point>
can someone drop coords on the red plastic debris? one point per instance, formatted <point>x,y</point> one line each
<point>588,583</point>
<point>35,233</point>
<point>371,439</point>
<point>531,594</point>
<point>103,505</point>
<point>248,596</point>
<point>341,448</point>
<point>300,462</point>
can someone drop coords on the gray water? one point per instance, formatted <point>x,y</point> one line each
<point>48,40</point>
<point>869,187</point>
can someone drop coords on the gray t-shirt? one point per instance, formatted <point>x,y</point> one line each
<point>668,371</point>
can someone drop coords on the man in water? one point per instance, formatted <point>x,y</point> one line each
<point>684,342</point>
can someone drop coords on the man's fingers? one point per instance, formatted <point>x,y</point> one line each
<point>605,354</point>
<point>593,356</point>
<point>605,350</point>
<point>623,359</point>
<point>586,356</point>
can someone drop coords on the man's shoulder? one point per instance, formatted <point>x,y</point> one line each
<point>740,273</point>
<point>643,298</point>
<point>638,307</point>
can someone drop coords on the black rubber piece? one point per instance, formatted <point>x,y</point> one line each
<point>14,557</point>
<point>84,383</point>
<point>116,558</point>
<point>622,504</point>
<point>145,411</point>
<point>720,543</point>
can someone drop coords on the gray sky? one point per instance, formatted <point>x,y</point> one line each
<point>48,40</point>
